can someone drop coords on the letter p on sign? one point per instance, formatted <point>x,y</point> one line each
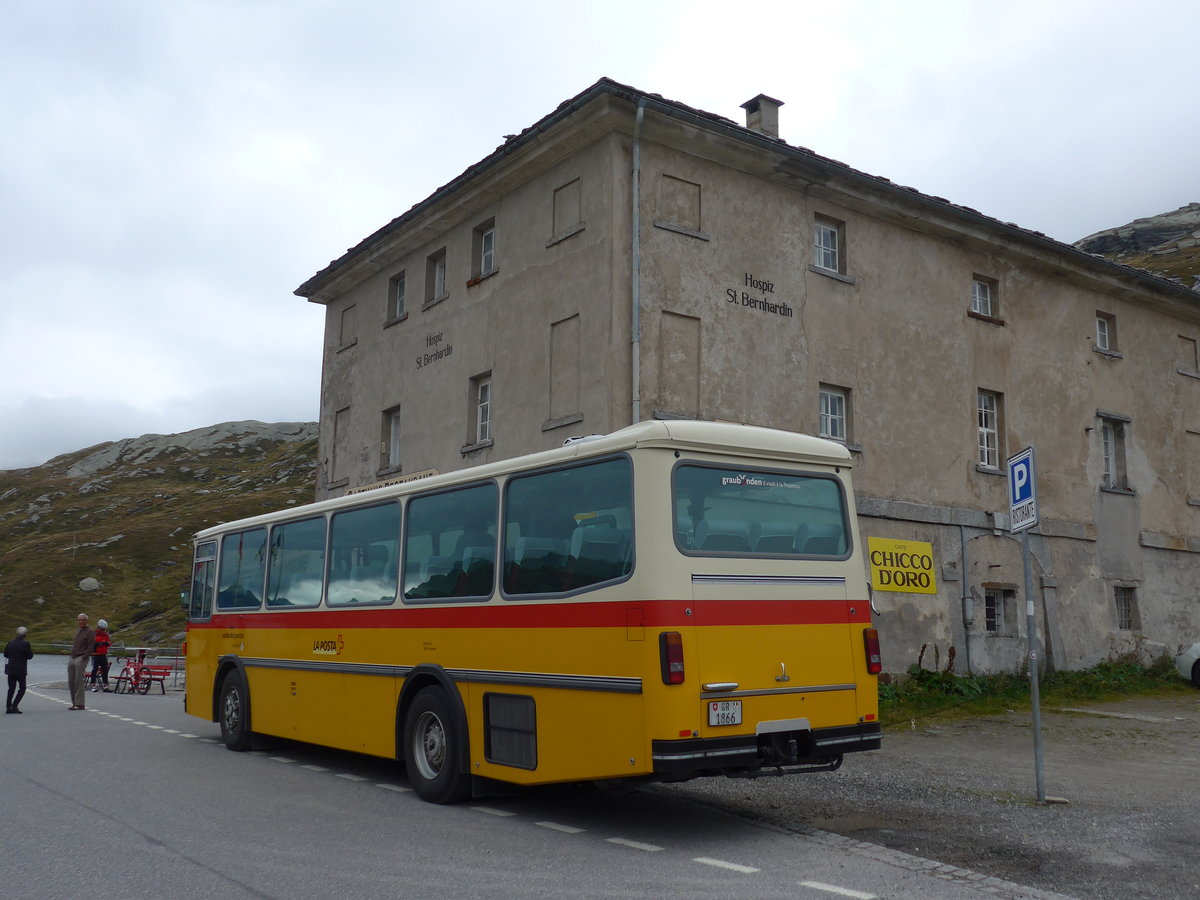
<point>1022,490</point>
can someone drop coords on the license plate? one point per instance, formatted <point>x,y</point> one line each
<point>725,712</point>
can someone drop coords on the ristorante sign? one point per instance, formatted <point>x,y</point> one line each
<point>755,294</point>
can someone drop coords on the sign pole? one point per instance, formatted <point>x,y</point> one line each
<point>1035,698</point>
<point>1023,515</point>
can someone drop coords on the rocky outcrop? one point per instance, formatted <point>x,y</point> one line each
<point>1179,229</point>
<point>229,436</point>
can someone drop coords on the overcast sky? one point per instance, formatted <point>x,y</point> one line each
<point>171,171</point>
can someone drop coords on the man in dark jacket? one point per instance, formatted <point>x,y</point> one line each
<point>17,653</point>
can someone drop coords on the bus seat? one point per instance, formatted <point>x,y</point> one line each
<point>598,542</point>
<point>719,534</point>
<point>474,555</point>
<point>821,538</point>
<point>773,537</point>
<point>435,565</point>
<point>537,547</point>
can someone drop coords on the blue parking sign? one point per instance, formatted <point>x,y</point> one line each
<point>1022,491</point>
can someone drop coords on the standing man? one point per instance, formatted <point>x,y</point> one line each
<point>81,652</point>
<point>18,653</point>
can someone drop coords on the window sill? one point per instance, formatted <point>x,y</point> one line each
<point>385,471</point>
<point>1111,354</point>
<point>478,279</point>
<point>472,448</point>
<point>434,301</point>
<point>1188,372</point>
<point>340,483</point>
<point>829,273</point>
<point>680,229</point>
<point>988,470</point>
<point>971,314</point>
<point>396,321</point>
<point>347,346</point>
<point>1128,492</point>
<point>570,232</point>
<point>561,421</point>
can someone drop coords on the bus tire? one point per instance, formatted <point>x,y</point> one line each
<point>434,742</point>
<point>234,712</point>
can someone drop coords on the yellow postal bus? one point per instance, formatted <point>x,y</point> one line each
<point>672,600</point>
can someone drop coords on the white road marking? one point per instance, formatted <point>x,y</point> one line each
<point>315,768</point>
<point>350,777</point>
<point>565,829</point>
<point>282,759</point>
<point>722,864</point>
<point>493,812</point>
<point>636,845</point>
<point>840,891</point>
<point>394,787</point>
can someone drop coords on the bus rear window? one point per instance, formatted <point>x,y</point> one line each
<point>756,512</point>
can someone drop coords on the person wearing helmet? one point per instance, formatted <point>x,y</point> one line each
<point>100,657</point>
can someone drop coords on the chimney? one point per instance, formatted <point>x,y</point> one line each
<point>762,114</point>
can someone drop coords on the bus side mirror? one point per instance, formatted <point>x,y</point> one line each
<point>871,596</point>
<point>184,598</point>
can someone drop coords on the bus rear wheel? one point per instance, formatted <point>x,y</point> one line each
<point>234,712</point>
<point>434,742</point>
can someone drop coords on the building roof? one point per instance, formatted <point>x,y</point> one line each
<point>800,156</point>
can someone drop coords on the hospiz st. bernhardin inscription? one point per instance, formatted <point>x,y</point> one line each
<point>746,300</point>
<point>436,347</point>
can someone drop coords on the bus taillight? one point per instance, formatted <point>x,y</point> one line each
<point>670,654</point>
<point>871,644</point>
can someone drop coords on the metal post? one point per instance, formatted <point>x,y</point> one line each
<point>1034,695</point>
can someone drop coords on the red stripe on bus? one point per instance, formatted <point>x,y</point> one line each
<point>653,614</point>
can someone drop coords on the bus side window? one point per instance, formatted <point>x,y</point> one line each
<point>243,565</point>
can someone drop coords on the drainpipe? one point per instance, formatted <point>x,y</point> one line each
<point>636,265</point>
<point>968,606</point>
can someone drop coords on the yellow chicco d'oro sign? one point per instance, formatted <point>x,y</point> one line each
<point>902,566</point>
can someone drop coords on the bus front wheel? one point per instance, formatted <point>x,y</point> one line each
<point>433,742</point>
<point>234,712</point>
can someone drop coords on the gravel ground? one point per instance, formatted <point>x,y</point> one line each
<point>964,793</point>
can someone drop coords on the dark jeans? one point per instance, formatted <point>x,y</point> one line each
<point>15,682</point>
<point>99,668</point>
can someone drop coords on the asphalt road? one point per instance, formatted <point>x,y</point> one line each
<point>136,799</point>
<point>149,795</point>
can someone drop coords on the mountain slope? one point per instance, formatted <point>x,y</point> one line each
<point>1167,245</point>
<point>107,530</point>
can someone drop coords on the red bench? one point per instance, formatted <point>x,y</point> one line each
<point>138,679</point>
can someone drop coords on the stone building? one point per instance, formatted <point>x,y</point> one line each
<point>629,257</point>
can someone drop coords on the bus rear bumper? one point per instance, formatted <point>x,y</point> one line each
<point>821,748</point>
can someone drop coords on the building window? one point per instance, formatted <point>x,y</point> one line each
<point>396,298</point>
<point>481,404</point>
<point>347,334</point>
<point>999,611</point>
<point>391,439</point>
<point>984,297</point>
<point>484,249</point>
<point>1112,453</point>
<point>1127,612</point>
<point>1189,358</point>
<point>835,404</point>
<point>1106,332</point>
<point>988,408</point>
<point>435,277</point>
<point>828,245</point>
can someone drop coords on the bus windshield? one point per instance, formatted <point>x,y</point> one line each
<point>757,512</point>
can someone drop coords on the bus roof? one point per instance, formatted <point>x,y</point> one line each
<point>682,434</point>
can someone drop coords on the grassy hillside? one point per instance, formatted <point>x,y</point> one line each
<point>123,514</point>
